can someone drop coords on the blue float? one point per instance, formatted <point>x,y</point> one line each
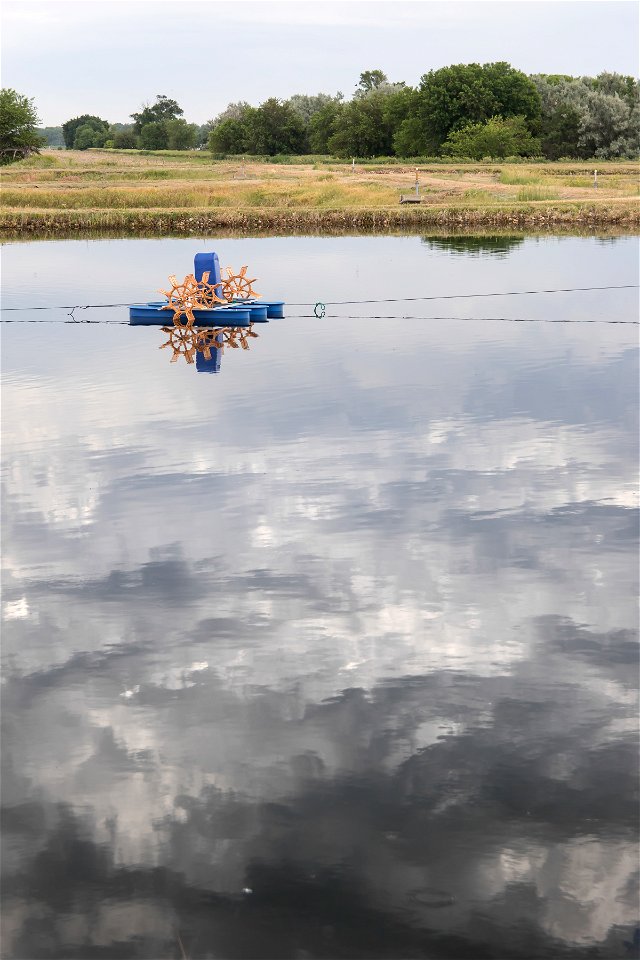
<point>152,315</point>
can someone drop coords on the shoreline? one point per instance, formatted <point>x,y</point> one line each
<point>541,215</point>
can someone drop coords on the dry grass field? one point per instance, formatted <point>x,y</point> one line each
<point>180,192</point>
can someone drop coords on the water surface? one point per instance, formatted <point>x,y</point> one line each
<point>331,653</point>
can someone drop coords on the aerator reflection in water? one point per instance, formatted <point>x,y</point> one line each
<point>204,346</point>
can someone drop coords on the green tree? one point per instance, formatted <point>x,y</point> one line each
<point>233,111</point>
<point>163,109</point>
<point>323,125</point>
<point>589,117</point>
<point>125,140</point>
<point>410,138</point>
<point>153,136</point>
<point>366,125</point>
<point>559,132</point>
<point>454,96</point>
<point>202,138</point>
<point>18,120</point>
<point>616,84</point>
<point>307,106</point>
<point>84,138</point>
<point>274,128</point>
<point>180,134</point>
<point>371,80</point>
<point>497,138</point>
<point>229,136</point>
<point>609,127</point>
<point>71,127</point>
<point>228,131</point>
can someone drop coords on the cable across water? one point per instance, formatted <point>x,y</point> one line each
<point>339,303</point>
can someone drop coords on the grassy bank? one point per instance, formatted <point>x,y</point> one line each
<point>197,222</point>
<point>135,193</point>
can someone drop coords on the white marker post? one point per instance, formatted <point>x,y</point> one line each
<point>595,179</point>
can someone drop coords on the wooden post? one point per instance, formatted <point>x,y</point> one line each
<point>595,179</point>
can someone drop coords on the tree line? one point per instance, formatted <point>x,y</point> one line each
<point>464,111</point>
<point>157,126</point>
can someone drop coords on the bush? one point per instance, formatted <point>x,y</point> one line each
<point>125,140</point>
<point>497,138</point>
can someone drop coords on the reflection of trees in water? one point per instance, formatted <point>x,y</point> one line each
<point>498,246</point>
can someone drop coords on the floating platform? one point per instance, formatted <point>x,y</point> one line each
<point>237,313</point>
<point>152,315</point>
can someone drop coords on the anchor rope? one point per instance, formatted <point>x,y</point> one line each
<point>465,296</point>
<point>77,306</point>
<point>337,303</point>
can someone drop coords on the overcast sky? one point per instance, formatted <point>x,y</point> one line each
<point>108,58</point>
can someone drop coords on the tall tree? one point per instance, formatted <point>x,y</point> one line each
<point>366,125</point>
<point>323,125</point>
<point>18,119</point>
<point>88,136</point>
<point>274,128</point>
<point>71,127</point>
<point>233,111</point>
<point>609,127</point>
<point>228,131</point>
<point>163,109</point>
<point>589,116</point>
<point>180,134</point>
<point>153,136</point>
<point>307,106</point>
<point>616,84</point>
<point>454,96</point>
<point>371,80</point>
<point>229,136</point>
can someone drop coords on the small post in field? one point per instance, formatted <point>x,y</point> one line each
<point>595,179</point>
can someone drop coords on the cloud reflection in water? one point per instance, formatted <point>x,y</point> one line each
<point>331,656</point>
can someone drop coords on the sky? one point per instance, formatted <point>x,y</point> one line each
<point>109,58</point>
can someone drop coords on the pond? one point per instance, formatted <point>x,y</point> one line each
<point>330,653</point>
